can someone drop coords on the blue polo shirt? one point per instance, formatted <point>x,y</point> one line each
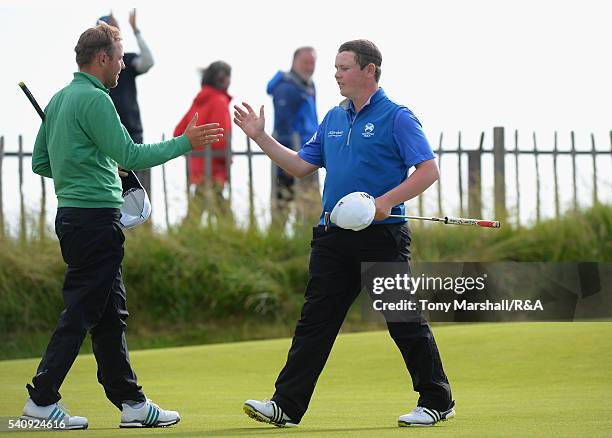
<point>370,151</point>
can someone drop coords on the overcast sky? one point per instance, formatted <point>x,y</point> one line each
<point>459,65</point>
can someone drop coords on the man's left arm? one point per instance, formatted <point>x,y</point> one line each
<point>415,151</point>
<point>425,175</point>
<point>144,61</point>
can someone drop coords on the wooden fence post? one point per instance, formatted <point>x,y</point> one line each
<point>440,178</point>
<point>573,152</point>
<point>499,164</point>
<point>228,166</point>
<point>460,174</point>
<point>594,155</point>
<point>187,155</point>
<point>22,221</point>
<point>555,153</point>
<point>475,180</point>
<point>165,187</point>
<point>474,186</point>
<point>251,194</point>
<point>537,170</point>
<point>1,205</point>
<point>420,203</point>
<point>208,181</point>
<point>516,179</point>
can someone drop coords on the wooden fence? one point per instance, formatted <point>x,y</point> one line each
<point>473,155</point>
<point>500,152</point>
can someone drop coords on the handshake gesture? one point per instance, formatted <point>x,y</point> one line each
<point>203,135</point>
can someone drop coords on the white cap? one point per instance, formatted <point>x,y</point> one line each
<point>136,208</point>
<point>354,211</point>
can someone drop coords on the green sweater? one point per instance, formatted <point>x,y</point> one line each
<point>81,142</point>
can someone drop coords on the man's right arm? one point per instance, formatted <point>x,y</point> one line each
<point>288,159</point>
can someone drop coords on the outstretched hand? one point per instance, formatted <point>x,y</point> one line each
<point>248,121</point>
<point>200,136</point>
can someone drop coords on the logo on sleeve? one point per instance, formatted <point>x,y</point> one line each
<point>368,130</point>
<point>312,139</point>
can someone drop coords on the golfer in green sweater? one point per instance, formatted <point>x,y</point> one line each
<point>80,145</point>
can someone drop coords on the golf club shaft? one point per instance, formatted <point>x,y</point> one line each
<point>454,220</point>
<point>40,112</point>
<point>32,100</point>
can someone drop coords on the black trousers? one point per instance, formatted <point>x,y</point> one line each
<point>334,283</point>
<point>91,241</point>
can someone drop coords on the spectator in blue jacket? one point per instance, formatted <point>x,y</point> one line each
<point>295,112</point>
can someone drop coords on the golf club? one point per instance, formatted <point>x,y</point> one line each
<point>132,180</point>
<point>136,208</point>
<point>357,210</point>
<point>454,220</point>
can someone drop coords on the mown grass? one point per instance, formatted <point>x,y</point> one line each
<point>508,380</point>
<point>212,283</point>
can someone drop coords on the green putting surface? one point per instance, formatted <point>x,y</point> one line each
<point>519,380</point>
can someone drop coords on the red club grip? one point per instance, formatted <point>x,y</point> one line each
<point>488,224</point>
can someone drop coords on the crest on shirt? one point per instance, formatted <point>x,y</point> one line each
<point>368,130</point>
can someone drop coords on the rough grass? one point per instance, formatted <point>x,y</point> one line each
<point>205,283</point>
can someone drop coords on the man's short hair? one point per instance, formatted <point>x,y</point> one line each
<point>94,39</point>
<point>365,52</point>
<point>300,50</point>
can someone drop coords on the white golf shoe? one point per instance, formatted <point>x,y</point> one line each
<point>148,415</point>
<point>52,416</point>
<point>422,416</point>
<point>267,411</point>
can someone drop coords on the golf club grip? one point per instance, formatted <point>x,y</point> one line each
<point>32,100</point>
<point>488,224</point>
<point>477,222</point>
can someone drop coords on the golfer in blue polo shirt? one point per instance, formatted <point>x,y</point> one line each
<point>366,144</point>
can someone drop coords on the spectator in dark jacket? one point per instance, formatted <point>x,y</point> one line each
<point>125,96</point>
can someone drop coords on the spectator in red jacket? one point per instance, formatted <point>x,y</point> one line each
<point>212,104</point>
